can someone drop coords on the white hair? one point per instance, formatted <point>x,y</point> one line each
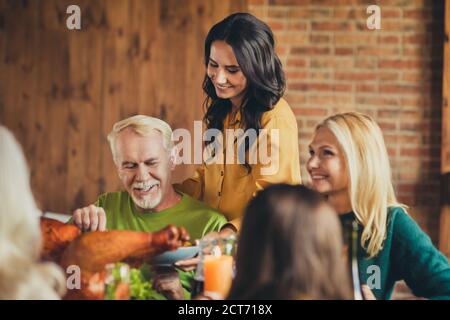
<point>142,125</point>
<point>22,276</point>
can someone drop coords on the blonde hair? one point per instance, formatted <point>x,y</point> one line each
<point>21,274</point>
<point>370,185</point>
<point>141,125</point>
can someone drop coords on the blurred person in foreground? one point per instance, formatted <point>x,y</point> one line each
<point>290,247</point>
<point>22,276</point>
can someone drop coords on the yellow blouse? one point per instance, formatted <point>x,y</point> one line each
<point>228,187</point>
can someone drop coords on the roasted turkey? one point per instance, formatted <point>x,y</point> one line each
<point>56,237</point>
<point>92,251</point>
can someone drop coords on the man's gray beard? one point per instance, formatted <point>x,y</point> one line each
<point>147,204</point>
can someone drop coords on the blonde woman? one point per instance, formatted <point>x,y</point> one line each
<point>349,164</point>
<point>21,274</point>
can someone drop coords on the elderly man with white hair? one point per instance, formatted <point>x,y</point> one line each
<point>144,154</point>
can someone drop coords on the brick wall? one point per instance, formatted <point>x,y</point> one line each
<point>335,63</point>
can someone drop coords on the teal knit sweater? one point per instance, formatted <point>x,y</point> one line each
<point>408,254</point>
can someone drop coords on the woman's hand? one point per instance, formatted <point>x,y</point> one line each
<point>167,282</point>
<point>227,231</point>
<point>191,264</point>
<point>188,264</point>
<point>368,294</point>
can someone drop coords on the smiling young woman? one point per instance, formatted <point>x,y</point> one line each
<point>349,164</point>
<point>244,85</point>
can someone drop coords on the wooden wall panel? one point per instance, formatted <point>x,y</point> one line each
<point>446,95</point>
<point>61,90</point>
<point>444,235</point>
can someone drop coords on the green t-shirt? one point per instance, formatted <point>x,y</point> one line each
<point>196,217</point>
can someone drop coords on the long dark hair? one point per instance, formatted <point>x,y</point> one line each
<point>290,247</point>
<point>253,43</point>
